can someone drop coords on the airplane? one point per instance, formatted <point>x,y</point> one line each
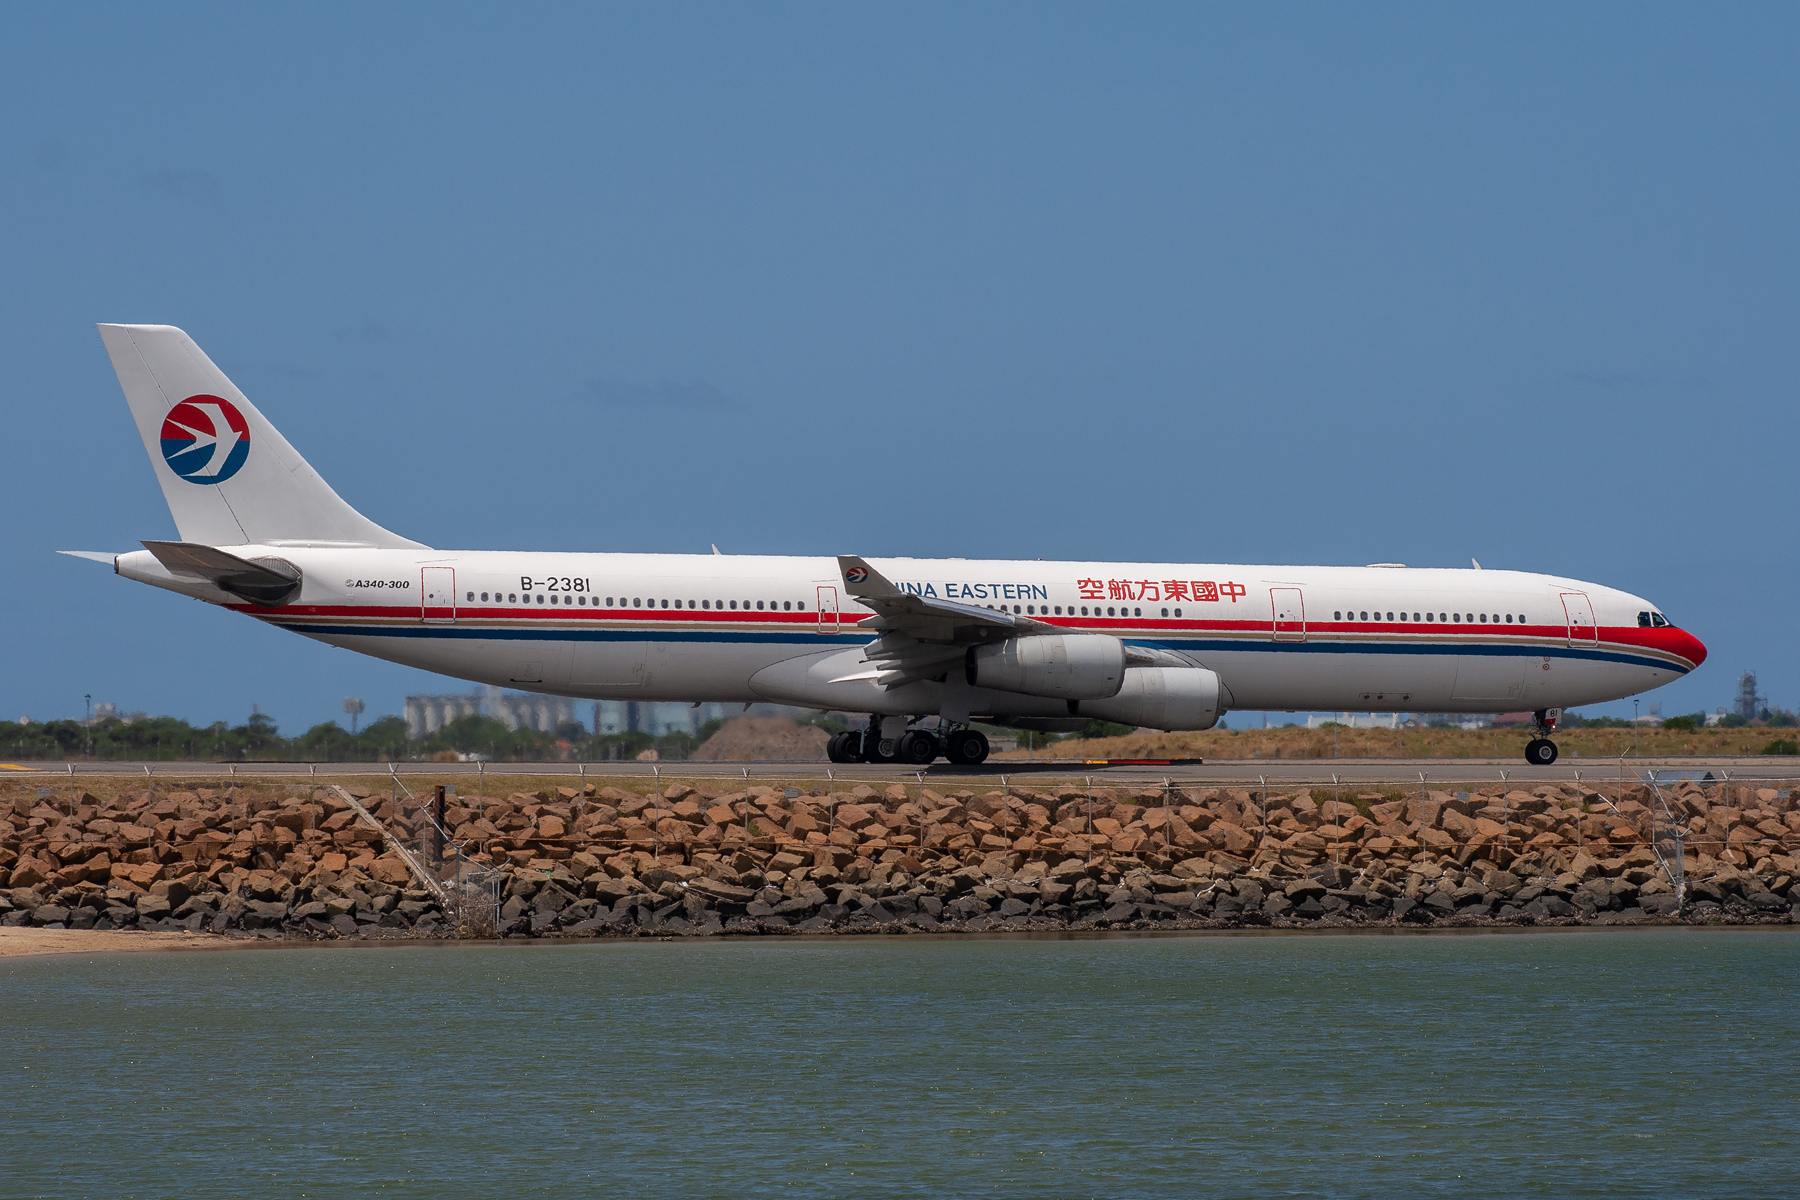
<point>925,647</point>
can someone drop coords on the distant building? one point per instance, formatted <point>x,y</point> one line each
<point>1354,720</point>
<point>657,718</point>
<point>425,715</point>
<point>1749,705</point>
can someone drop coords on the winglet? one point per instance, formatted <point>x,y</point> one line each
<point>860,579</point>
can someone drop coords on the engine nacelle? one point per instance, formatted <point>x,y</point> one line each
<point>1169,698</point>
<point>1063,666</point>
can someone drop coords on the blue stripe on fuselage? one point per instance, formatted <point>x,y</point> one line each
<point>1436,648</point>
<point>798,638</point>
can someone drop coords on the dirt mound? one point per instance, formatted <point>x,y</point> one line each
<point>753,738</point>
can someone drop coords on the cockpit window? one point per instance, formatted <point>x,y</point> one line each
<point>1643,620</point>
<point>1659,621</point>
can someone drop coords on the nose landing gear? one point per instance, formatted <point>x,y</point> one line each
<point>1540,751</point>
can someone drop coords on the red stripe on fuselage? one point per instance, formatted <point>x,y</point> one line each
<point>1671,641</point>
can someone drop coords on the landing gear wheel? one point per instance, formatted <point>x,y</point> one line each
<point>918,747</point>
<point>1540,752</point>
<point>967,748</point>
<point>844,747</point>
<point>877,749</point>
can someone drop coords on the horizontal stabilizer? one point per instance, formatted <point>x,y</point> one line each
<point>270,582</point>
<point>99,556</point>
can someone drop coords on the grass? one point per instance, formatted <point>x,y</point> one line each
<point>1297,742</point>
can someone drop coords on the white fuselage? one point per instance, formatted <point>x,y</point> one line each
<point>714,628</point>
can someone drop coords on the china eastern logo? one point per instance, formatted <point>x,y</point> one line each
<point>205,439</point>
<point>856,574</point>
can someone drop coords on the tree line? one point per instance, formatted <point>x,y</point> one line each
<point>171,739</point>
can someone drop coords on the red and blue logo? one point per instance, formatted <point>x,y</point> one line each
<point>205,439</point>
<point>856,574</point>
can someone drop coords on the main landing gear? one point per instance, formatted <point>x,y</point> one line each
<point>1540,751</point>
<point>896,743</point>
<point>967,747</point>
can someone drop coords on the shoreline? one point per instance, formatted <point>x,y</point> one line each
<point>56,943</point>
<point>274,864</point>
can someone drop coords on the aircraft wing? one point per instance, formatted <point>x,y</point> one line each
<point>921,636</point>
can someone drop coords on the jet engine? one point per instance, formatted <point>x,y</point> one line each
<point>1169,698</point>
<point>1063,666</point>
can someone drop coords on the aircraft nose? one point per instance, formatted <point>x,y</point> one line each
<point>1688,646</point>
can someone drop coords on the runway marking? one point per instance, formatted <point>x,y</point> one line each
<point>15,767</point>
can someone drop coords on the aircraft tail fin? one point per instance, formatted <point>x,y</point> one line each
<point>228,475</point>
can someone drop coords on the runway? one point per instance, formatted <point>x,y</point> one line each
<point>1434,772</point>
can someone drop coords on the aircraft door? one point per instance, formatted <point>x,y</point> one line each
<point>437,595</point>
<point>1580,611</point>
<point>828,610</point>
<point>1290,615</point>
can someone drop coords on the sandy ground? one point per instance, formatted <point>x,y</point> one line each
<point>20,941</point>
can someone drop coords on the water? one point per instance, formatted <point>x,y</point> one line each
<point>1616,1063</point>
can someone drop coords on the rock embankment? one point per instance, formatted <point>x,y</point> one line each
<point>576,862</point>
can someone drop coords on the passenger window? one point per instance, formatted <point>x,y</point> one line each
<point>1084,610</point>
<point>484,595</point>
<point>636,603</point>
<point>1484,618</point>
<point>706,604</point>
<point>1165,612</point>
<point>1390,616</point>
<point>1178,612</point>
<point>1365,616</point>
<point>1110,613</point>
<point>759,605</point>
<point>1456,616</point>
<point>540,597</point>
<point>734,604</point>
<point>1137,612</point>
<point>787,606</point>
<point>511,599</point>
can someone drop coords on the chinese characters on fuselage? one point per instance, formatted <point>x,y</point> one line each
<point>1201,591</point>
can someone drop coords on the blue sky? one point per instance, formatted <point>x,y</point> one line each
<point>1234,283</point>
